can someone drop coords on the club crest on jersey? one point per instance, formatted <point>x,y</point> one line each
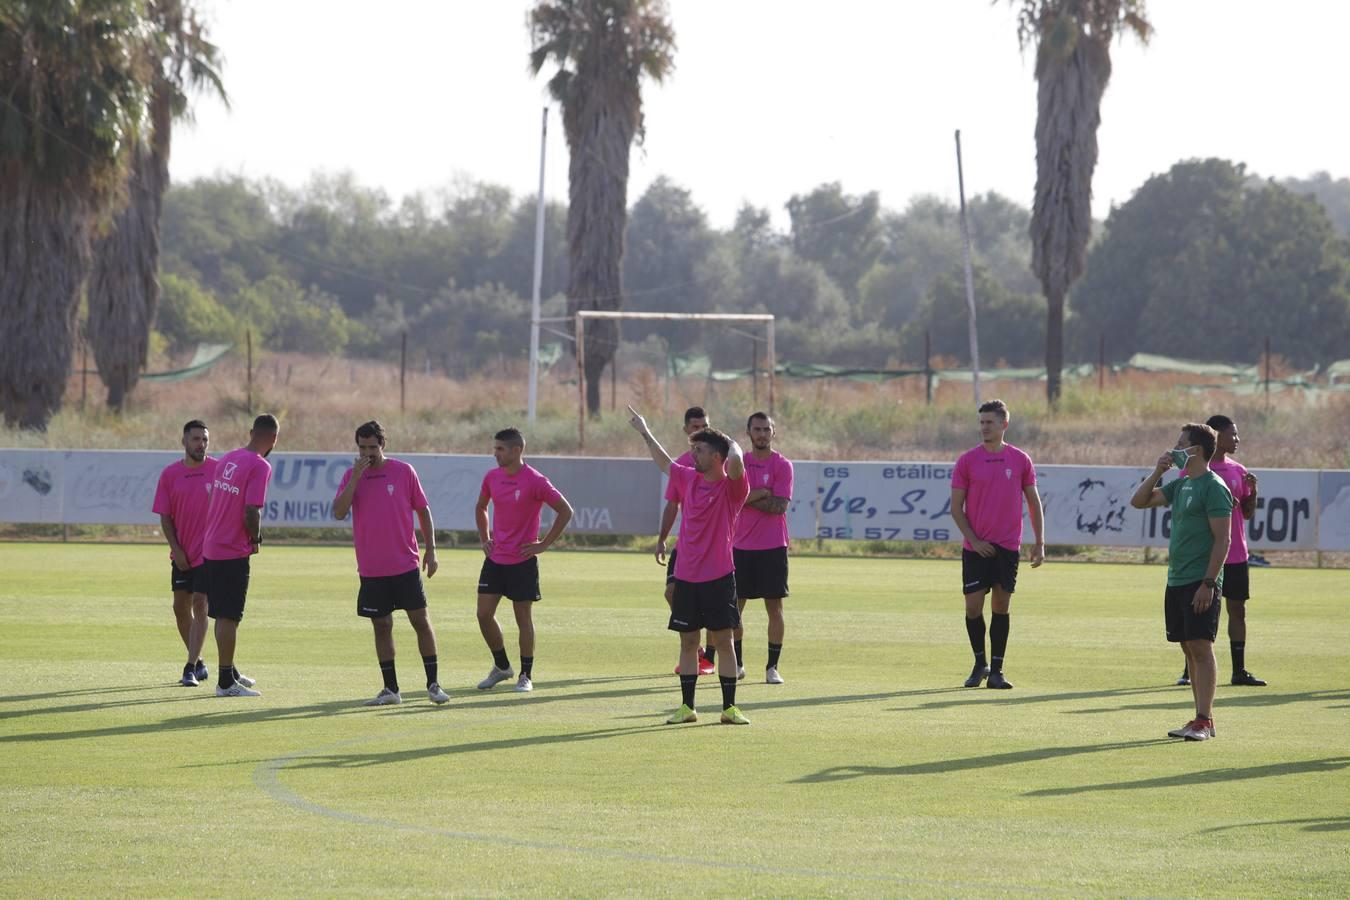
<point>390,489</point>
<point>517,493</point>
<point>766,477</point>
<point>228,473</point>
<point>1007,473</point>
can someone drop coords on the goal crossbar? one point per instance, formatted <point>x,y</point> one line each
<point>583,315</point>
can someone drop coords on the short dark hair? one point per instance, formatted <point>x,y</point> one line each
<point>1219,423</point>
<point>266,423</point>
<point>510,436</point>
<point>694,412</point>
<point>1202,436</point>
<point>195,423</point>
<point>995,406</point>
<point>757,415</point>
<point>371,429</point>
<point>714,439</point>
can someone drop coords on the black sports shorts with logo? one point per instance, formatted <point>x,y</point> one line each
<point>380,595</point>
<point>761,573</point>
<point>228,579</point>
<point>193,580</point>
<point>1236,583</point>
<point>1183,623</point>
<point>986,572</point>
<point>705,604</point>
<point>517,582</point>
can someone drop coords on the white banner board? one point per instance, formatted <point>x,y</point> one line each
<point>1297,509</point>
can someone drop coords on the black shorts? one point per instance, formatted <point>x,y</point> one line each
<point>193,580</point>
<point>1236,584</point>
<point>1183,624</point>
<point>380,595</point>
<point>670,566</point>
<point>228,579</point>
<point>518,582</point>
<point>705,604</point>
<point>761,574</point>
<point>985,572</point>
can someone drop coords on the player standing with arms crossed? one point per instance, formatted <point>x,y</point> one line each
<point>760,547</point>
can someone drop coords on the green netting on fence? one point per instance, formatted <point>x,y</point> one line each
<point>207,355</point>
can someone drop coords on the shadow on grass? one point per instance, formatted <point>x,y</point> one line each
<point>754,704</point>
<point>1012,698</point>
<point>985,761</point>
<point>1341,823</point>
<point>363,760</point>
<point>1227,701</point>
<point>1207,777</point>
<point>236,715</point>
<point>109,701</point>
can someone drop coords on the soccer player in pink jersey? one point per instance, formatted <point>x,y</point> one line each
<point>233,535</point>
<point>695,419</point>
<point>382,495</point>
<point>989,483</point>
<point>181,500</point>
<point>712,493</point>
<point>517,492</point>
<point>1236,580</point>
<point>760,546</point>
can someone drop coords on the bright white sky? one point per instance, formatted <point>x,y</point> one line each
<point>768,97</point>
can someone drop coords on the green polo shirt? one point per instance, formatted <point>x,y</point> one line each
<point>1194,501</point>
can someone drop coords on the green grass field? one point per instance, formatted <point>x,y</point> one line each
<point>870,772</point>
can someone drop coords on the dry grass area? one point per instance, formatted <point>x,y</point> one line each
<point>321,400</point>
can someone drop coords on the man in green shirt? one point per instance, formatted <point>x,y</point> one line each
<point>1202,509</point>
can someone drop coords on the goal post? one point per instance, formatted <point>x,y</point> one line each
<point>583,316</point>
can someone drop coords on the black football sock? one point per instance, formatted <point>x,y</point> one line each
<point>740,660</point>
<point>710,654</point>
<point>225,677</point>
<point>774,651</point>
<point>501,660</point>
<point>998,640</point>
<point>687,685</point>
<point>1239,650</point>
<point>975,630</point>
<point>234,674</point>
<point>728,690</point>
<point>526,665</point>
<point>388,674</point>
<point>429,663</point>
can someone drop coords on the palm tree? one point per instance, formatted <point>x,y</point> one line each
<point>602,48</point>
<point>1073,66</point>
<point>73,86</point>
<point>124,285</point>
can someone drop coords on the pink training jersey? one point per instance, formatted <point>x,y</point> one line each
<point>516,502</point>
<point>1233,474</point>
<point>383,509</point>
<point>709,510</point>
<point>993,483</point>
<point>184,494</point>
<point>686,459</point>
<point>757,530</point>
<point>241,480</point>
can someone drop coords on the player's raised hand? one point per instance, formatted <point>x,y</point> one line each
<point>639,424</point>
<point>1251,481</point>
<point>1165,461</point>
